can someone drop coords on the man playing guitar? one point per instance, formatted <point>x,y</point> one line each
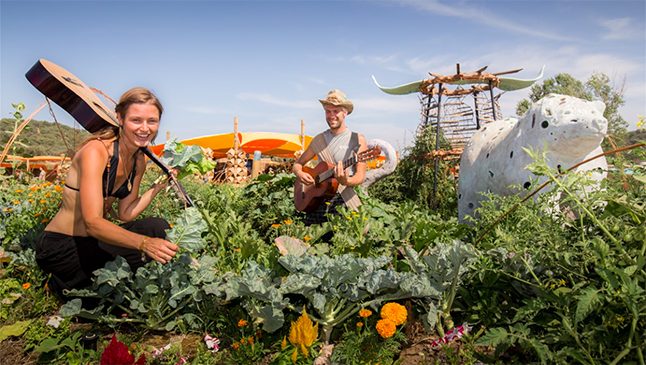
<point>333,146</point>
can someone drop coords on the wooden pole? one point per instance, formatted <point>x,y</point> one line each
<point>236,143</point>
<point>302,134</point>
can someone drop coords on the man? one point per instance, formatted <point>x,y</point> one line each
<point>336,144</point>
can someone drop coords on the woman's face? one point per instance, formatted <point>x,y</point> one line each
<point>141,124</point>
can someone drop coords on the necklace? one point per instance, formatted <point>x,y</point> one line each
<point>127,174</point>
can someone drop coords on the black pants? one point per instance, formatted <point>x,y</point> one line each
<point>320,215</point>
<point>71,260</point>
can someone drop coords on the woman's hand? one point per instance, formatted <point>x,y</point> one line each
<point>158,249</point>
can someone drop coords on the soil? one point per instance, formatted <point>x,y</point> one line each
<point>11,352</point>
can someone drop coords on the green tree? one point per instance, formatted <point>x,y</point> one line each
<point>597,87</point>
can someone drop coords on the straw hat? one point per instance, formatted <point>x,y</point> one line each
<point>336,97</point>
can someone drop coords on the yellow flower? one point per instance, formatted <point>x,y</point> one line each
<point>43,201</point>
<point>26,286</point>
<point>58,188</point>
<point>18,191</point>
<point>235,346</point>
<point>283,343</point>
<point>295,355</point>
<point>386,328</point>
<point>359,324</point>
<point>365,313</point>
<point>275,225</point>
<point>288,221</point>
<point>395,312</point>
<point>302,333</point>
<point>307,238</point>
<point>242,323</point>
<point>243,341</point>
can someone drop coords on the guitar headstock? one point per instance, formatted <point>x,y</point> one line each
<point>369,154</point>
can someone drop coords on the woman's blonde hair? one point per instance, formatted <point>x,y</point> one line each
<point>136,95</point>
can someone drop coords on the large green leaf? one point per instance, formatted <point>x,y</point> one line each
<point>13,330</point>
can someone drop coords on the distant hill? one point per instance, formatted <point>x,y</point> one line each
<point>41,138</point>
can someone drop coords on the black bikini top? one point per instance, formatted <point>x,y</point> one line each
<point>110,176</point>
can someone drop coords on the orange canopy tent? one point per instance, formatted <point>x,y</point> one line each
<point>268,143</point>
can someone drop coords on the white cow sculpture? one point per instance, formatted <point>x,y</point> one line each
<point>386,169</point>
<point>570,129</point>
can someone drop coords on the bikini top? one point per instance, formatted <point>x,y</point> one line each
<point>110,176</point>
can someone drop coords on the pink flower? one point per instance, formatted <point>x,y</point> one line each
<point>212,343</point>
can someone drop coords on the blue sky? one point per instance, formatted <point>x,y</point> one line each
<point>268,62</point>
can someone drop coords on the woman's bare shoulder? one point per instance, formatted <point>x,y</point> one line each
<point>95,149</point>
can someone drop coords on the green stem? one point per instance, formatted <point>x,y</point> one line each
<point>531,271</point>
<point>519,279</point>
<point>594,219</point>
<point>621,355</point>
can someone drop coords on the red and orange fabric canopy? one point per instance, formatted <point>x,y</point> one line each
<point>268,143</point>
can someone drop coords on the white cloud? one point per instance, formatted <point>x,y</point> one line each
<point>272,100</point>
<point>207,110</point>
<point>388,104</point>
<point>477,14</point>
<point>621,29</point>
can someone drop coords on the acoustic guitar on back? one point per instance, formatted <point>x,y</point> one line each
<point>308,197</point>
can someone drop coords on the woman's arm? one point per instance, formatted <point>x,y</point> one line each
<point>92,160</point>
<point>131,206</point>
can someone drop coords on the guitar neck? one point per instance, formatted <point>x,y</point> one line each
<point>167,171</point>
<point>330,172</point>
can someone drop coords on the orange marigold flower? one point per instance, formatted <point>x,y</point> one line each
<point>58,188</point>
<point>250,340</point>
<point>359,324</point>
<point>235,346</point>
<point>395,312</point>
<point>43,201</point>
<point>275,225</point>
<point>45,220</point>
<point>242,323</point>
<point>26,286</point>
<point>283,343</point>
<point>18,191</point>
<point>243,341</point>
<point>365,313</point>
<point>386,328</point>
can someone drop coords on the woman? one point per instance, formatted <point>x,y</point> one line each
<point>106,167</point>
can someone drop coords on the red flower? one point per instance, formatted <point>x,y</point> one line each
<point>116,353</point>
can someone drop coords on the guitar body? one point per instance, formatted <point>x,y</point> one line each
<point>308,197</point>
<point>71,94</point>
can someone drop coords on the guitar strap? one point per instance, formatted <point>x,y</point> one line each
<point>320,148</point>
